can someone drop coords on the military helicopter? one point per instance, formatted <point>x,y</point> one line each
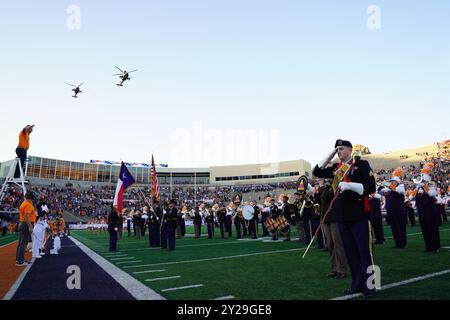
<point>124,76</point>
<point>76,89</point>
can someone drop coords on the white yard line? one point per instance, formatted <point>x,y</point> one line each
<point>162,278</point>
<point>137,289</point>
<point>397,284</point>
<point>149,271</point>
<point>123,262</point>
<point>122,258</point>
<point>188,245</point>
<point>224,298</point>
<point>182,288</point>
<point>217,258</point>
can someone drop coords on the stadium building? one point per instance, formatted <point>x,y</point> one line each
<point>60,172</point>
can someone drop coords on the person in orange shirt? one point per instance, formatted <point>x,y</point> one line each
<point>27,216</point>
<point>22,147</point>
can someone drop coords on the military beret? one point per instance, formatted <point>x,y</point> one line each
<point>343,143</point>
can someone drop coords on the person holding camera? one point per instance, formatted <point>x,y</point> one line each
<point>22,148</point>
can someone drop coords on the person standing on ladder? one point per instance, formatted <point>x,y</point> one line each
<point>22,148</point>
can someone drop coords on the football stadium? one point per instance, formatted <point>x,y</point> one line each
<point>215,263</point>
<point>234,156</point>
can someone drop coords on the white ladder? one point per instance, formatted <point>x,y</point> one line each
<point>10,179</point>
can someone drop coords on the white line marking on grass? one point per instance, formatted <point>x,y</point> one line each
<point>149,271</point>
<point>224,298</point>
<point>163,278</point>
<point>397,284</point>
<point>267,240</point>
<point>123,258</point>
<point>246,239</point>
<point>217,258</point>
<point>182,288</point>
<point>10,294</point>
<point>123,262</point>
<point>8,244</point>
<point>114,255</point>
<point>137,289</point>
<point>190,245</point>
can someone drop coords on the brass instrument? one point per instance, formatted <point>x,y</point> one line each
<point>419,179</point>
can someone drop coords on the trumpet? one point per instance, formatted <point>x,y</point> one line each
<point>419,179</point>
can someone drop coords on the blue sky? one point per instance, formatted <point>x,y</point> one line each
<point>223,82</point>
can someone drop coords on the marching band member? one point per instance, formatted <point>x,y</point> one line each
<point>352,183</point>
<point>38,234</point>
<point>155,224</point>
<point>330,229</point>
<point>197,222</point>
<point>275,212</point>
<point>254,221</point>
<point>221,216</point>
<point>426,207</point>
<point>181,224</point>
<point>237,215</point>
<point>209,220</point>
<point>376,217</point>
<point>409,208</point>
<point>228,219</point>
<point>112,229</point>
<point>440,203</point>
<point>128,218</point>
<point>265,213</point>
<point>169,225</point>
<point>306,216</point>
<point>395,198</point>
<point>143,220</point>
<point>289,211</point>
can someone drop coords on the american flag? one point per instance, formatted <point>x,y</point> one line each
<point>155,185</point>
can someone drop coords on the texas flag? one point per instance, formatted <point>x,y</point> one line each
<point>125,180</point>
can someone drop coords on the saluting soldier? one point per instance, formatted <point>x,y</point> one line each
<point>352,182</point>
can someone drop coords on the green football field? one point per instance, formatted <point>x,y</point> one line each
<point>249,269</point>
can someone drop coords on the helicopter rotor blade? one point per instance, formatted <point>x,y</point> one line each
<point>80,84</point>
<point>118,74</point>
<point>133,71</point>
<point>70,84</point>
<point>119,69</point>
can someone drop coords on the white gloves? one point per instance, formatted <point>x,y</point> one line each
<point>115,229</point>
<point>375,196</point>
<point>352,186</point>
<point>322,164</point>
<point>400,189</point>
<point>432,192</point>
